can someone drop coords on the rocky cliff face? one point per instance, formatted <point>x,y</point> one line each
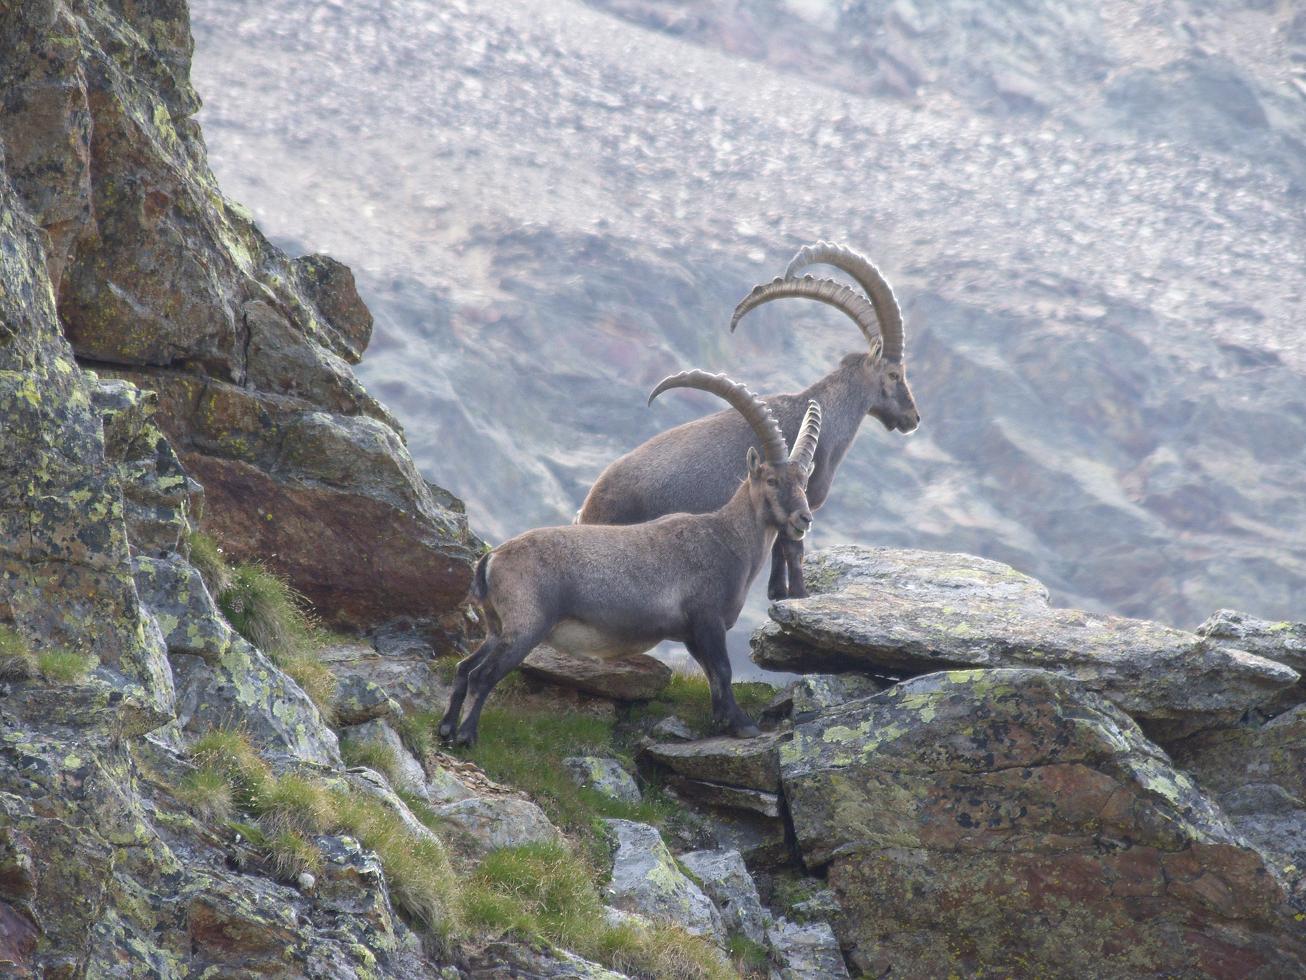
<point>158,279</point>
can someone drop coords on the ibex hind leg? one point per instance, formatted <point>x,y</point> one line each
<point>777,586</point>
<point>449,723</point>
<point>486,674</point>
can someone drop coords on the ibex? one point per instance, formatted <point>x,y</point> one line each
<point>695,467</point>
<point>615,590</point>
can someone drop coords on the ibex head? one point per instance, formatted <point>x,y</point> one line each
<point>777,477</point>
<point>876,314</point>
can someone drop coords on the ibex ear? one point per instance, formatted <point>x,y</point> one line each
<point>754,461</point>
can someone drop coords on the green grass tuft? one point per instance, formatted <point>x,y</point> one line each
<point>289,854</point>
<point>65,666</point>
<point>752,959</point>
<point>545,892</point>
<point>208,560</point>
<point>230,755</point>
<point>296,804</point>
<point>315,679</point>
<point>525,747</point>
<point>422,880</point>
<point>16,660</point>
<point>417,730</point>
<point>264,609</point>
<point>207,794</point>
<point>372,755</point>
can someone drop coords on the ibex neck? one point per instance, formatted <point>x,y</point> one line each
<point>748,532</point>
<point>845,399</point>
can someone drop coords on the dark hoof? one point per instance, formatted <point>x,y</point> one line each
<point>796,594</point>
<point>777,592</point>
<point>465,740</point>
<point>445,731</point>
<point>745,730</point>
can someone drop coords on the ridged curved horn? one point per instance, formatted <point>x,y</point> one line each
<point>868,277</point>
<point>752,408</point>
<point>809,433</point>
<point>828,291</point>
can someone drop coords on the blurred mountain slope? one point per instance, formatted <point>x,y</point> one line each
<point>1093,218</point>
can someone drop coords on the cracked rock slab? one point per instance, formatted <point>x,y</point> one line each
<point>751,763</point>
<point>921,611</point>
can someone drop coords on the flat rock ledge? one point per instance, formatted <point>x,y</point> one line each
<point>636,678</point>
<point>877,609</point>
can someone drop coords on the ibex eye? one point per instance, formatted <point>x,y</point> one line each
<point>772,481</point>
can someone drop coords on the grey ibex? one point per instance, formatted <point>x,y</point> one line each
<point>605,590</point>
<point>694,467</point>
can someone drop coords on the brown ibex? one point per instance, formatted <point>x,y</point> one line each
<point>614,590</point>
<point>695,467</point>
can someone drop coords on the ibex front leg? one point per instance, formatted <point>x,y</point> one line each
<point>708,647</point>
<point>777,586</point>
<point>793,559</point>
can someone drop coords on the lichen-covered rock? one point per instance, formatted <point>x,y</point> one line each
<point>646,880</point>
<point>802,699</point>
<point>918,611</point>
<point>100,868</point>
<point>805,952</point>
<point>407,773</point>
<point>1012,821</point>
<point>375,785</point>
<point>244,690</point>
<point>725,878</point>
<point>634,678</point>
<point>358,699</point>
<point>408,675</point>
<point>156,490</point>
<point>65,571</point>
<point>752,763</point>
<point>1281,641</point>
<point>604,776</point>
<point>1258,774</point>
<point>175,594</point>
<point>504,959</point>
<point>443,786</point>
<point>490,822</point>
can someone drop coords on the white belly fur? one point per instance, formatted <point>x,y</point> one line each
<point>573,636</point>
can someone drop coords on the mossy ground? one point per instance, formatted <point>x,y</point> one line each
<point>539,893</point>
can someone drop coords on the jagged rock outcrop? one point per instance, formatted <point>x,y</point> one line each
<point>877,609</point>
<point>994,821</point>
<point>645,880</point>
<point>725,879</point>
<point>1258,775</point>
<point>1274,640</point>
<point>161,281</point>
